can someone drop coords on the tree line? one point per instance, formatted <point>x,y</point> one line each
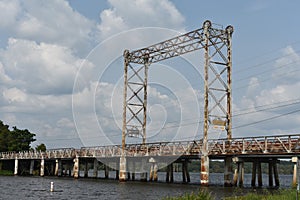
<point>14,139</point>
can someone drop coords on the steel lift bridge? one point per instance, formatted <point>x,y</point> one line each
<point>216,44</point>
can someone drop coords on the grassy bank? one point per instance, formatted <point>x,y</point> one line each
<point>276,195</point>
<point>6,173</point>
<point>201,195</point>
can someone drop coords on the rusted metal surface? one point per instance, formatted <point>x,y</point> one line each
<point>262,145</point>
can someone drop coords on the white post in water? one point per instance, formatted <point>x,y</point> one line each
<point>16,167</point>
<point>52,187</point>
<point>42,166</point>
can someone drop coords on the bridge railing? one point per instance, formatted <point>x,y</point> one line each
<point>283,144</point>
<point>256,145</point>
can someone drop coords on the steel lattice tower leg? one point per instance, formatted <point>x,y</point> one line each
<point>217,88</point>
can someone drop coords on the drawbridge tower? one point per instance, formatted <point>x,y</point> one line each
<point>216,45</point>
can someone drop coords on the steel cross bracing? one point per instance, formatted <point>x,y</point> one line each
<point>280,146</point>
<point>216,44</point>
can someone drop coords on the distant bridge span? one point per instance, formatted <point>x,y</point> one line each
<point>280,146</point>
<point>257,150</point>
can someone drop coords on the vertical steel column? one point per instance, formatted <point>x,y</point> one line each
<point>204,177</point>
<point>146,66</point>
<point>122,175</point>
<point>229,31</point>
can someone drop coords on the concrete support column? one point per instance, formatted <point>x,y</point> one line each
<point>31,167</point>
<point>171,173</point>
<point>185,172</point>
<point>242,173</point>
<point>259,174</point>
<point>95,169</point>
<point>204,177</point>
<point>235,176</point>
<point>227,171</point>
<point>16,166</point>
<point>276,173</point>
<point>69,169</point>
<point>295,161</point>
<point>236,171</point>
<point>151,172</point>
<point>133,171</point>
<point>155,169</point>
<point>253,180</point>
<point>76,167</point>
<point>117,174</point>
<point>42,171</point>
<point>106,172</point>
<point>270,173</point>
<point>57,171</point>
<point>86,170</point>
<point>122,174</point>
<point>144,173</point>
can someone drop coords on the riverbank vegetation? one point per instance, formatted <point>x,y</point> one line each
<point>14,139</point>
<point>287,194</point>
<point>201,195</point>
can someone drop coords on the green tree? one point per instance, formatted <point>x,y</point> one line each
<point>41,147</point>
<point>15,139</point>
<point>4,133</point>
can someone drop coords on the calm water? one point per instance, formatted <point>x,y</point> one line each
<point>68,188</point>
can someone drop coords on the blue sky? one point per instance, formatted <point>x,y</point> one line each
<point>61,67</point>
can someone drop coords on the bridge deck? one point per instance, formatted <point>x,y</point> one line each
<point>279,146</point>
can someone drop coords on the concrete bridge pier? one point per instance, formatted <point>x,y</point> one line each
<point>31,167</point>
<point>95,168</point>
<point>228,172</point>
<point>122,172</point>
<point>58,168</point>
<point>133,171</point>
<point>16,169</point>
<point>86,169</point>
<point>185,172</point>
<point>153,170</point>
<point>295,161</point>
<point>106,171</point>
<point>204,172</point>
<point>253,179</point>
<point>169,174</point>
<point>42,170</point>
<point>143,170</point>
<point>76,167</point>
<point>256,171</point>
<point>239,172</point>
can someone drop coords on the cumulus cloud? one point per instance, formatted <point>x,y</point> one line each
<point>43,59</point>
<point>46,21</point>
<point>138,13</point>
<point>39,68</point>
<point>260,101</point>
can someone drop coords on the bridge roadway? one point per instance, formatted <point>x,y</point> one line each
<point>239,150</point>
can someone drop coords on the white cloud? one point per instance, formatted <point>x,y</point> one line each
<point>39,68</point>
<point>47,21</point>
<point>280,90</point>
<point>139,13</point>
